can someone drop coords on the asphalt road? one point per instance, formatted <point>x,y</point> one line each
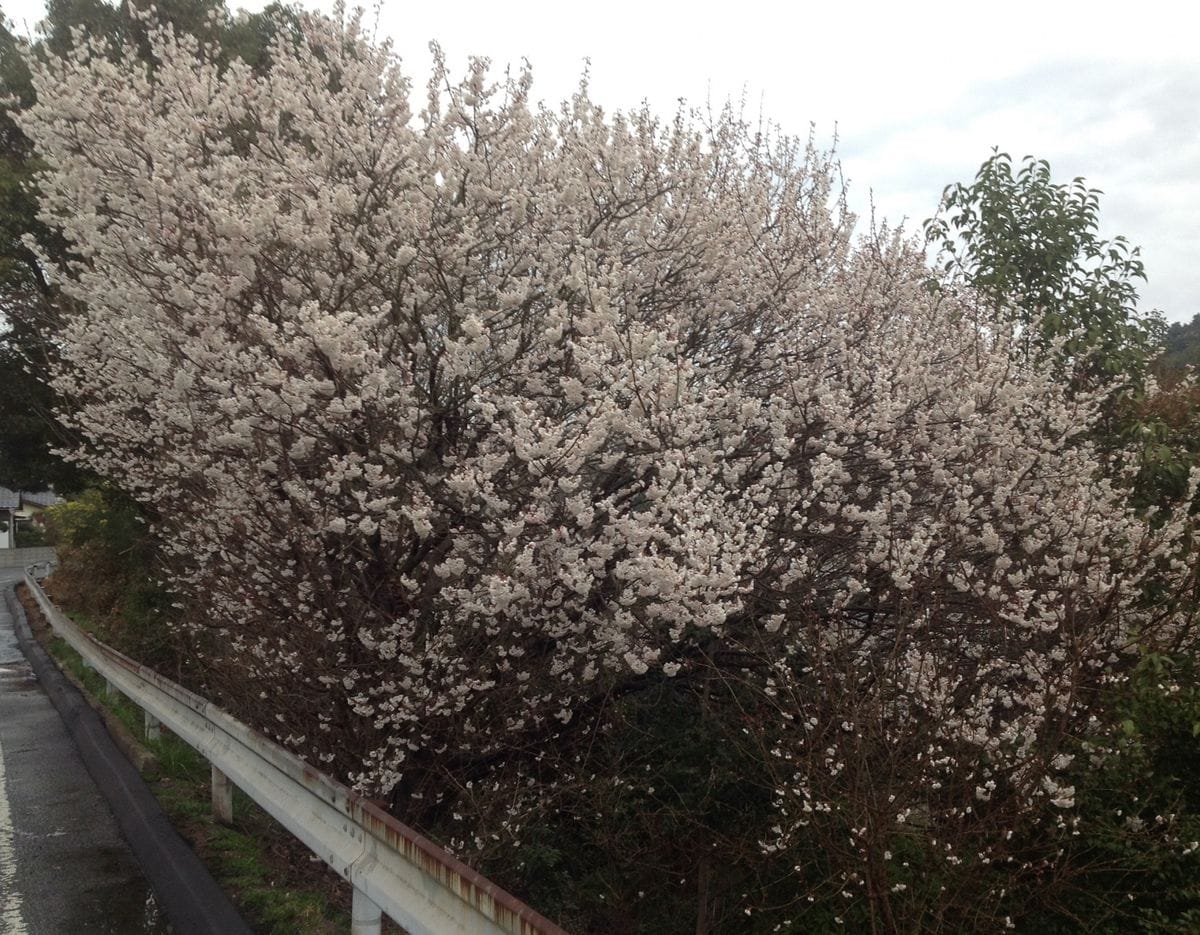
<point>64,867</point>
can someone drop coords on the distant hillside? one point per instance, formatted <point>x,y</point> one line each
<point>1182,346</point>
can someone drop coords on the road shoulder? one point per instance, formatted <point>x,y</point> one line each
<point>186,891</point>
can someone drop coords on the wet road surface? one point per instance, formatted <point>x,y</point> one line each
<point>64,867</point>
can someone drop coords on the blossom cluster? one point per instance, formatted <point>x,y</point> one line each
<point>456,414</point>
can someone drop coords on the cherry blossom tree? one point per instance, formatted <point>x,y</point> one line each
<point>464,419</point>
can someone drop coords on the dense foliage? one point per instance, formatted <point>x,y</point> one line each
<point>27,300</point>
<point>106,573</point>
<point>1032,245</point>
<point>575,481</point>
<point>1182,345</point>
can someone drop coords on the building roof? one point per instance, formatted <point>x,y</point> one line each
<point>9,499</point>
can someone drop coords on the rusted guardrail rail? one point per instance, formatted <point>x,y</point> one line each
<point>393,869</point>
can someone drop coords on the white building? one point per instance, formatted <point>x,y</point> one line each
<point>19,507</point>
<point>10,504</point>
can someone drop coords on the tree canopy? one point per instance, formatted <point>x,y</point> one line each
<point>1032,246</point>
<point>30,301</point>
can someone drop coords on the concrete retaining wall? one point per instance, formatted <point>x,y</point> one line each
<point>19,558</point>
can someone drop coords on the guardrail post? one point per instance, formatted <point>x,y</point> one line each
<point>222,797</point>
<point>366,918</point>
<point>110,689</point>
<point>153,731</point>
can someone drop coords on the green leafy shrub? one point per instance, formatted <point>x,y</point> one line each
<point>106,571</point>
<point>29,536</point>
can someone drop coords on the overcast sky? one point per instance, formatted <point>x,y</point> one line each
<point>917,93</point>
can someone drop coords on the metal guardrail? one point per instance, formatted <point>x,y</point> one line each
<point>393,869</point>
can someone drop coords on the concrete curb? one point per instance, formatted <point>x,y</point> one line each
<point>189,896</point>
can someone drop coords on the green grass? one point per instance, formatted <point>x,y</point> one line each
<point>125,710</point>
<point>255,861</point>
